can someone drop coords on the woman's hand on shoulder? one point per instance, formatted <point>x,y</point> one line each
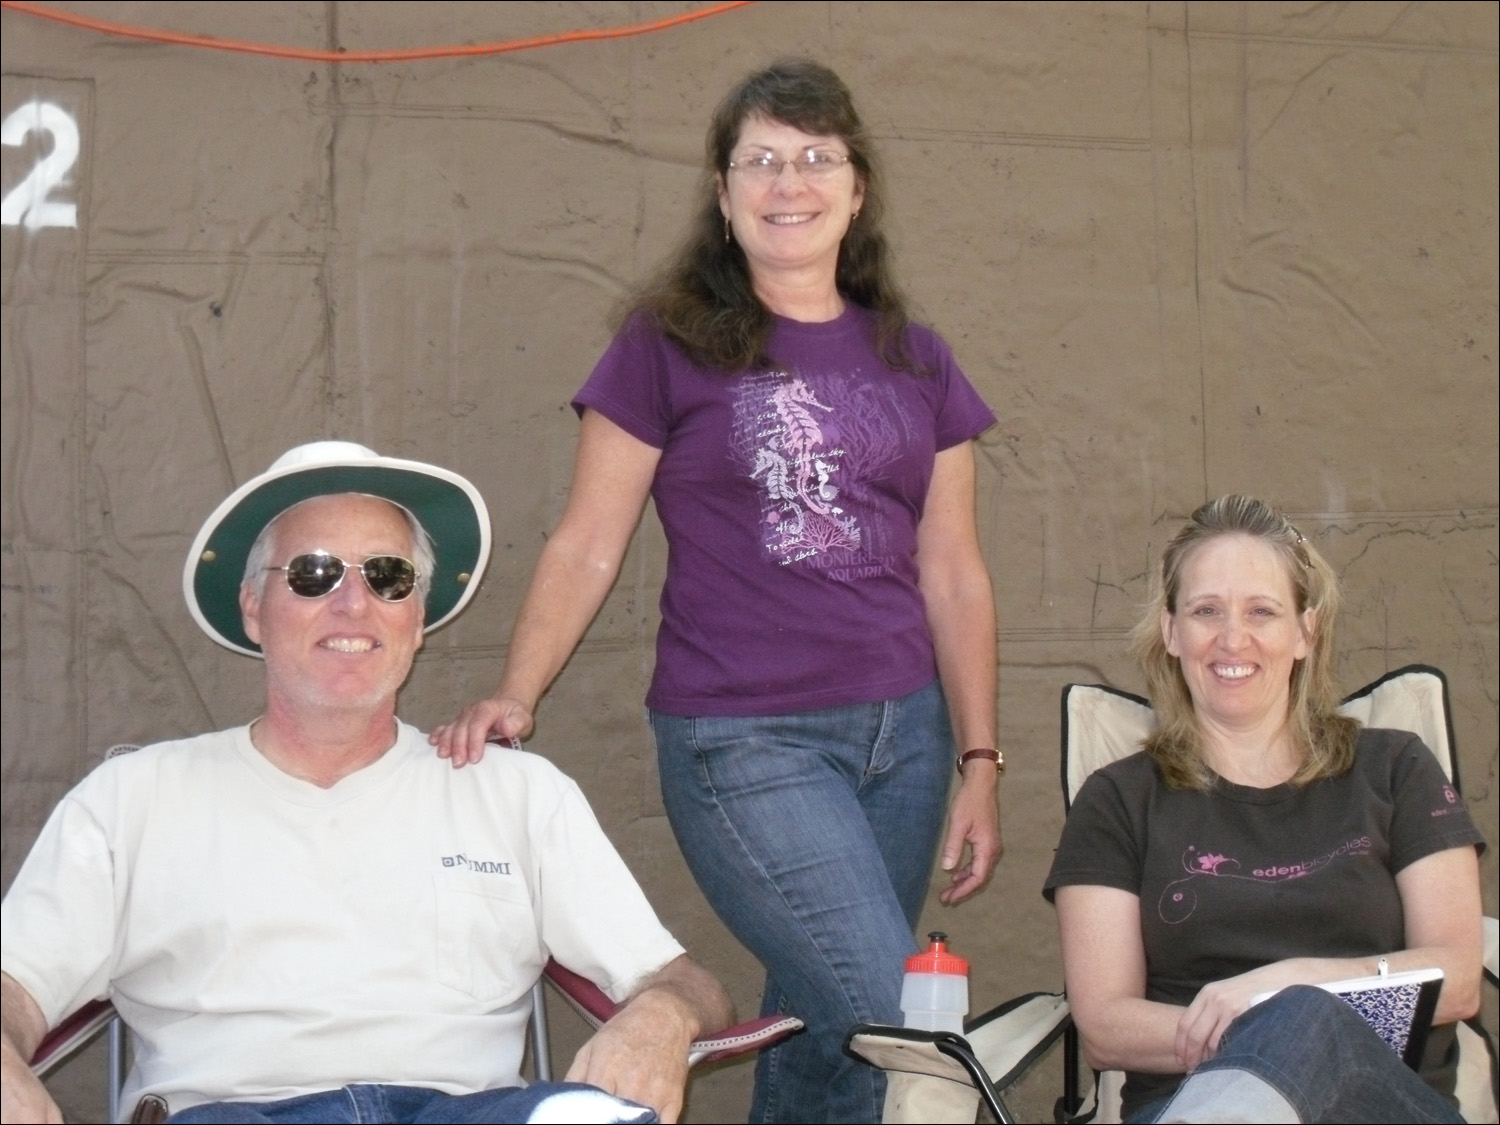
<point>463,740</point>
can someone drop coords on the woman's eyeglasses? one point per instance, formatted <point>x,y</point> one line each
<point>814,164</point>
<point>389,577</point>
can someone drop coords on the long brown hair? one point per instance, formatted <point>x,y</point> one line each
<point>702,297</point>
<point>1324,738</point>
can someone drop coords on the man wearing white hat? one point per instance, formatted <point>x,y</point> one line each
<point>310,914</point>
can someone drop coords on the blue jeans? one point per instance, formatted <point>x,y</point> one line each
<point>1303,1055</point>
<point>558,1101</point>
<point>812,835</point>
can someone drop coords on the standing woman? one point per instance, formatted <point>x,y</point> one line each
<point>827,644</point>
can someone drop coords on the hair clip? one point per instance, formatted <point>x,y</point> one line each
<point>1299,548</point>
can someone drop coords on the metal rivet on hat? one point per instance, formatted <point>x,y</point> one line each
<point>463,578</point>
<point>210,556</point>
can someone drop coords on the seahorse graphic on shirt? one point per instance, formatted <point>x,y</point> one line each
<point>797,468</point>
<point>824,453</point>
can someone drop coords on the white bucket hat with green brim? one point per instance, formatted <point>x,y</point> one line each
<point>447,506</point>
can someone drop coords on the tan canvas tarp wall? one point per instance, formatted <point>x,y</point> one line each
<point>1181,248</point>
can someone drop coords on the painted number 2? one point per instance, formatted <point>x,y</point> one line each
<point>26,204</point>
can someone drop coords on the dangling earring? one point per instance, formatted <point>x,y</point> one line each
<point>854,216</point>
<point>726,230</point>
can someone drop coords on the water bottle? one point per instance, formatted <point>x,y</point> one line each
<point>935,991</point>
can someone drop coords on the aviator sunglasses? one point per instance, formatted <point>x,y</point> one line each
<point>389,577</point>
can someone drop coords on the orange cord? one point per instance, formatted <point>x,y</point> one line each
<point>106,27</point>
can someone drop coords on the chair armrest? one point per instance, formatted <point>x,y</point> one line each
<point>742,1038</point>
<point>591,1002</point>
<point>1492,950</point>
<point>903,1050</point>
<point>1005,1041</point>
<point>586,997</point>
<point>71,1036</point>
<point>1010,1038</point>
<point>994,1051</point>
<point>914,1060</point>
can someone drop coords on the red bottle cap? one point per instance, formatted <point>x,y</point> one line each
<point>936,958</point>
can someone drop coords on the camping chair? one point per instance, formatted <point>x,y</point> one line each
<point>98,1017</point>
<point>1101,725</point>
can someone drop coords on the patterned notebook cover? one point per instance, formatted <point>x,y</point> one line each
<point>1398,1006</point>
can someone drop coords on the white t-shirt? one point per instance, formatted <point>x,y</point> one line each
<point>266,938</point>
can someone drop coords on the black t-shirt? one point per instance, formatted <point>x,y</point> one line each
<point>1232,878</point>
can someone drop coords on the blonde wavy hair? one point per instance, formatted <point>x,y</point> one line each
<point>1324,738</point>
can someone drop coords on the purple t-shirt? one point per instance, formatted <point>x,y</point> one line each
<point>790,498</point>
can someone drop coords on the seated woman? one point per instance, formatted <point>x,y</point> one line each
<point>1260,841</point>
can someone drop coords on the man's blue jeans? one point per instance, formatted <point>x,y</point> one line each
<point>1303,1055</point>
<point>553,1101</point>
<point>812,835</point>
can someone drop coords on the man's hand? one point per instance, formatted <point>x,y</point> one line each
<point>642,1053</point>
<point>23,1098</point>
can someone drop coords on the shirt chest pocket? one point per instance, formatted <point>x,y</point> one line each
<point>487,941</point>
